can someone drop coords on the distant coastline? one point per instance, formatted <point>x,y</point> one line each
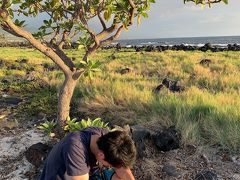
<point>221,41</point>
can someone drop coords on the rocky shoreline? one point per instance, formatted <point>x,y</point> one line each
<point>146,48</point>
<point>181,47</point>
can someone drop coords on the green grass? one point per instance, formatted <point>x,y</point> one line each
<point>207,112</point>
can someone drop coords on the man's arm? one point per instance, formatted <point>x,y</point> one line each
<point>123,174</point>
<point>82,177</point>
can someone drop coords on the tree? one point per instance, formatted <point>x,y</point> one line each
<point>68,19</point>
<point>206,2</point>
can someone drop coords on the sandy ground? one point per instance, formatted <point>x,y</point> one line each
<point>13,164</point>
<point>183,163</point>
<point>175,164</point>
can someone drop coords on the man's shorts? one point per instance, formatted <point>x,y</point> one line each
<point>102,174</point>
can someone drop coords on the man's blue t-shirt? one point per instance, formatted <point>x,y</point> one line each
<point>72,155</point>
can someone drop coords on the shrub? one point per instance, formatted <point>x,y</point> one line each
<point>73,125</point>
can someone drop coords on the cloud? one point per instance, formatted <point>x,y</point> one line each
<point>193,8</point>
<point>215,19</point>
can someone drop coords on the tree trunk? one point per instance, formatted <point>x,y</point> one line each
<point>64,100</point>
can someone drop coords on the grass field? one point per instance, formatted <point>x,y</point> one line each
<point>207,112</point>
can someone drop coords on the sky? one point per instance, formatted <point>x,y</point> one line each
<point>173,18</point>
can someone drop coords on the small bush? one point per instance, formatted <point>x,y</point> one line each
<point>74,125</point>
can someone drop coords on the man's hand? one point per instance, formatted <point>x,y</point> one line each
<point>123,174</point>
<point>83,177</point>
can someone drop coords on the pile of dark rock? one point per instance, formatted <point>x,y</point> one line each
<point>172,85</point>
<point>124,71</point>
<point>206,62</point>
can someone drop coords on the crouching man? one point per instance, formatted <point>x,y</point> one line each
<point>91,154</point>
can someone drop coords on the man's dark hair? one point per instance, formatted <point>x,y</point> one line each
<point>118,148</point>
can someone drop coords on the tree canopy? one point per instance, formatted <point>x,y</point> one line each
<point>69,19</point>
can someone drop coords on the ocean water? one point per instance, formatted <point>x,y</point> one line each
<point>194,41</point>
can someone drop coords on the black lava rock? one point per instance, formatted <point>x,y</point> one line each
<point>125,71</point>
<point>206,175</point>
<point>172,85</point>
<point>205,62</point>
<point>139,135</point>
<point>36,153</point>
<point>158,88</point>
<point>168,139</point>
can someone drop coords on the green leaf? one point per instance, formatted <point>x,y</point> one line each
<point>225,1</point>
<point>144,14</point>
<point>139,20</point>
<point>84,123</point>
<point>105,15</point>
<point>83,62</point>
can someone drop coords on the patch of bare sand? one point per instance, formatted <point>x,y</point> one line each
<point>13,164</point>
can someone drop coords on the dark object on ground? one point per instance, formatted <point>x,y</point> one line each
<point>118,46</point>
<point>139,135</point>
<point>206,47</point>
<point>167,140</point>
<point>15,67</point>
<point>150,48</point>
<point>176,88</point>
<point>172,85</point>
<point>5,81</point>
<point>2,63</point>
<point>158,88</point>
<point>233,47</point>
<point>125,71</point>
<point>205,62</point>
<point>138,49</point>
<point>206,175</point>
<point>36,153</point>
<point>168,82</point>
<point>159,48</point>
<point>32,76</point>
<point>40,83</point>
<point>11,101</point>
<point>170,170</point>
<point>24,61</point>
<point>113,57</point>
<point>41,115</point>
<point>49,67</point>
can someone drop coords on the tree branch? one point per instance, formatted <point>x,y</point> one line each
<point>100,17</point>
<point>107,31</point>
<point>205,2</point>
<point>65,58</point>
<point>7,29</point>
<point>64,38</point>
<point>90,51</point>
<point>132,11</point>
<point>4,3</point>
<point>112,38</point>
